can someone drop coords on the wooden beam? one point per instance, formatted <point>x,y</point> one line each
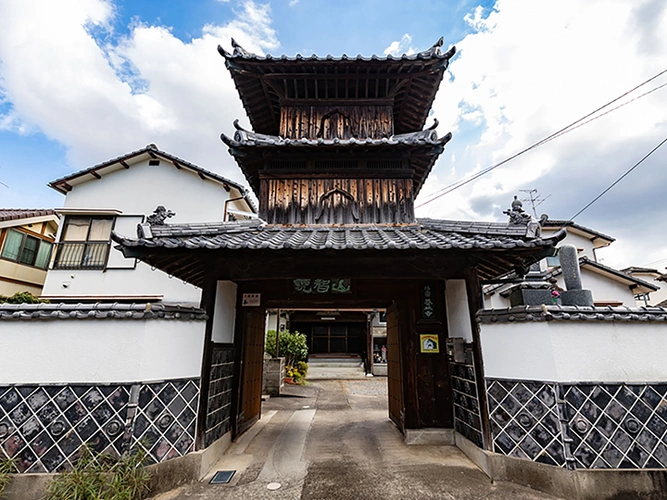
<point>125,165</point>
<point>95,174</point>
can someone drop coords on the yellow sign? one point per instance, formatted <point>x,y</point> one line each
<point>429,343</point>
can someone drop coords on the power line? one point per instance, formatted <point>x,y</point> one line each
<point>575,124</point>
<point>627,172</point>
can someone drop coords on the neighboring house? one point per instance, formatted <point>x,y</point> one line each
<point>116,196</point>
<point>26,242</point>
<point>656,278</point>
<point>609,286</point>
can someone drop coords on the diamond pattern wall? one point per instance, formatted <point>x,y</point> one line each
<point>524,420</point>
<point>583,426</point>
<point>618,426</point>
<point>43,427</point>
<point>467,419</point>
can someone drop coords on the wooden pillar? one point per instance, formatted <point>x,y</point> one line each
<point>475,303</point>
<point>208,304</point>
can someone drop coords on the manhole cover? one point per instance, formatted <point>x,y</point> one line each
<point>222,477</point>
<point>273,486</point>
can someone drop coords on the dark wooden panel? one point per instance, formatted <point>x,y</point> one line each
<point>342,122</point>
<point>336,201</point>
<point>394,384</point>
<point>251,370</point>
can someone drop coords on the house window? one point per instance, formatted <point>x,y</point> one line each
<point>25,249</point>
<point>84,243</point>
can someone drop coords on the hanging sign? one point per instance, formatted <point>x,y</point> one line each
<point>251,299</point>
<point>428,306</point>
<point>429,343</point>
<point>322,285</point>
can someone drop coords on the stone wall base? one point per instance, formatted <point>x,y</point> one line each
<point>581,484</point>
<point>429,436</point>
<point>165,476</point>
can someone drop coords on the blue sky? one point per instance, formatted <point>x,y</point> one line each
<point>82,81</point>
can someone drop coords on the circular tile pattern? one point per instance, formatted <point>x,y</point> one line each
<point>164,421</point>
<point>632,426</point>
<point>113,428</point>
<point>57,428</point>
<point>4,430</point>
<point>581,425</point>
<point>524,420</point>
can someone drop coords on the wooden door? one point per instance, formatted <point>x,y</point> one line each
<point>251,368</point>
<point>394,373</point>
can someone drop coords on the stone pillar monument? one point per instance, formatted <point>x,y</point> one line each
<point>575,295</point>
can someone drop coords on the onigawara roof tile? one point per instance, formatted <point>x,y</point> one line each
<point>572,313</point>
<point>23,213</point>
<point>112,310</point>
<point>425,234</point>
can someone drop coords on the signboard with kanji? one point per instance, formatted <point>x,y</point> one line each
<point>322,285</point>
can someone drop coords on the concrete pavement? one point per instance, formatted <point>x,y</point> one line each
<point>332,440</point>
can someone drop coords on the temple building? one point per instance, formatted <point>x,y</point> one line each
<point>540,392</point>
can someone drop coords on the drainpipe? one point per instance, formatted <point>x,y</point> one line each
<point>224,210</point>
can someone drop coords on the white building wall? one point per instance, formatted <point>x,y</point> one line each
<point>584,245</point>
<point>572,351</point>
<point>224,314</point>
<point>458,312</point>
<point>136,192</point>
<point>100,351</point>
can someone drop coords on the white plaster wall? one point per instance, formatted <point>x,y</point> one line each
<point>138,191</point>
<point>73,351</point>
<point>458,312</point>
<point>224,314</point>
<point>571,351</point>
<point>496,301</point>
<point>578,241</point>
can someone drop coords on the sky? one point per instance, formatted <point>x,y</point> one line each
<point>84,81</point>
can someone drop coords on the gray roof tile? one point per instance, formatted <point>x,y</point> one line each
<point>572,313</point>
<point>425,234</point>
<point>113,310</point>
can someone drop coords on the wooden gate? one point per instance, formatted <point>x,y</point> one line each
<point>251,368</point>
<point>395,387</point>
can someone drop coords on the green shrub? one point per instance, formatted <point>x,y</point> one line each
<point>102,477</point>
<point>302,367</point>
<point>7,467</point>
<point>292,346</point>
<point>21,298</point>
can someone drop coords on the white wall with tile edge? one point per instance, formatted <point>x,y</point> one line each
<point>575,351</point>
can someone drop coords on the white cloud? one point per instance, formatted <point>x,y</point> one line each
<point>529,69</point>
<point>151,87</point>
<point>399,47</point>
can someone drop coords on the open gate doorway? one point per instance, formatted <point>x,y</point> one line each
<point>419,387</point>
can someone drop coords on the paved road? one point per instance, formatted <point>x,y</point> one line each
<point>332,440</point>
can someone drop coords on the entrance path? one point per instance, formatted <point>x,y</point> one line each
<point>332,440</point>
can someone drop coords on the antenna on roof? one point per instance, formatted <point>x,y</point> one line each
<point>534,199</point>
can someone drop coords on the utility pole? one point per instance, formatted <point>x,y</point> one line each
<point>534,199</point>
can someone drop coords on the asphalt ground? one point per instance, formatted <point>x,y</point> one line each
<point>333,440</point>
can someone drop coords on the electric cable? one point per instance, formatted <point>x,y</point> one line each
<point>575,124</point>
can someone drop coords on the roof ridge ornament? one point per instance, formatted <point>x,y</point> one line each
<point>160,214</point>
<point>519,217</point>
<point>240,51</point>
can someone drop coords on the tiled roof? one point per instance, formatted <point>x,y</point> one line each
<point>555,223</point>
<point>152,150</point>
<point>264,82</point>
<point>100,311</point>
<point>433,52</point>
<point>422,137</point>
<point>573,313</point>
<point>425,234</point>
<point>23,213</point>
